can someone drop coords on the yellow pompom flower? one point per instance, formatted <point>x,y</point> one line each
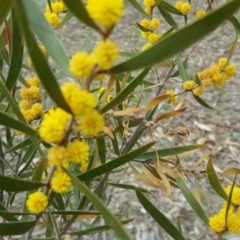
<point>235,194</point>
<point>149,3</point>
<point>207,82</point>
<point>61,182</point>
<point>37,110</point>
<point>198,91</point>
<point>222,62</point>
<point>148,10</point>
<point>233,223</point>
<point>230,69</point>
<point>200,14</point>
<point>53,125</point>
<point>107,13</point>
<point>33,81</point>
<point>183,7</point>
<point>27,114</point>
<point>188,85</point>
<point>57,7</point>
<point>155,23</point>
<point>91,123</point>
<point>146,46</point>
<point>174,98</point>
<point>81,65</point>
<point>217,222</point>
<point>37,202</point>
<point>145,23</point>
<point>78,100</point>
<point>52,18</point>
<point>78,151</point>
<point>29,93</point>
<point>145,34</point>
<point>58,156</point>
<point>219,78</point>
<point>178,5</point>
<point>105,53</point>
<point>153,37</point>
<point>25,104</point>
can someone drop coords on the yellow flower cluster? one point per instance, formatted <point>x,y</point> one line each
<point>149,5</point>
<point>107,13</point>
<point>200,14</point>
<point>37,202</point>
<point>51,14</point>
<point>30,105</point>
<point>173,97</point>
<point>104,55</point>
<point>183,7</point>
<point>217,222</point>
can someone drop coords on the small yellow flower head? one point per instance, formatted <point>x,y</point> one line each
<point>27,114</point>
<point>183,7</point>
<point>78,151</point>
<point>214,68</point>
<point>37,110</point>
<point>155,23</point>
<point>230,69</point>
<point>148,10</point>
<point>207,82</point>
<point>145,23</point>
<point>37,202</point>
<point>57,7</point>
<point>92,123</point>
<point>178,5</point>
<point>33,81</point>
<point>198,91</point>
<point>107,13</point>
<point>149,3</point>
<point>233,223</point>
<point>29,93</point>
<point>200,14</point>
<point>57,156</point>
<point>153,37</point>
<point>52,18</point>
<point>222,62</point>
<point>61,182</point>
<point>146,46</point>
<point>105,53</point>
<point>84,167</point>
<point>145,34</point>
<point>25,105</point>
<point>173,99</point>
<point>53,125</point>
<point>235,194</point>
<point>219,78</point>
<point>81,64</point>
<point>188,85</point>
<point>78,100</point>
<point>217,223</point>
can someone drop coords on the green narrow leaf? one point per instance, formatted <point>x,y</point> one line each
<point>117,162</point>
<point>142,28</point>
<point>98,229</point>
<point>138,7</point>
<point>16,185</point>
<point>6,215</point>
<point>15,124</point>
<point>15,228</point>
<point>125,92</point>
<point>68,16</point>
<point>5,7</point>
<point>218,89</point>
<point>40,26</point>
<point>45,74</point>
<point>20,145</point>
<point>203,103</point>
<point>78,9</point>
<point>159,217</point>
<point>87,42</point>
<point>110,219</point>
<point>101,149</point>
<point>55,226</point>
<point>213,180</point>
<point>235,23</point>
<point>168,18</point>
<point>181,69</point>
<point>170,8</point>
<point>168,152</point>
<point>178,41</point>
<point>192,200</point>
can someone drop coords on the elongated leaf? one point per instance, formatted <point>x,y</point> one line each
<point>231,171</point>
<point>181,69</point>
<point>159,217</point>
<point>46,34</point>
<point>87,42</point>
<point>142,28</point>
<point>137,6</point>
<point>168,152</point>
<point>15,228</point>
<point>100,206</point>
<point>235,23</point>
<point>47,78</point>
<point>17,185</point>
<point>170,114</point>
<point>5,7</point>
<point>114,163</point>
<point>6,215</point>
<point>166,15</point>
<point>170,8</point>
<point>178,41</point>
<point>78,9</point>
<point>213,179</point>
<point>99,229</point>
<point>101,150</point>
<point>68,16</point>
<point>192,200</point>
<point>15,124</point>
<point>127,186</point>
<point>125,92</point>
<point>203,103</point>
<point>20,145</point>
